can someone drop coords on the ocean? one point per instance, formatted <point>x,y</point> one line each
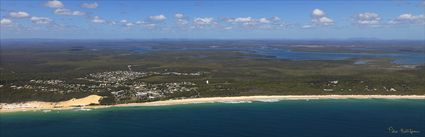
<point>296,118</point>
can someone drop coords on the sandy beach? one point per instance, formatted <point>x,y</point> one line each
<point>94,99</point>
<point>269,99</point>
<point>38,105</point>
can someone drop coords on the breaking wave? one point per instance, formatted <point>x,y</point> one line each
<point>234,102</point>
<point>268,100</point>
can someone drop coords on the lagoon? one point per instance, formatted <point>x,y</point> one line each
<point>402,58</point>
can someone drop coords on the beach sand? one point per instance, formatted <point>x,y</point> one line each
<point>38,105</point>
<point>269,99</point>
<point>94,99</point>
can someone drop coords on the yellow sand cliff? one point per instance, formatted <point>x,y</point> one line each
<point>38,105</point>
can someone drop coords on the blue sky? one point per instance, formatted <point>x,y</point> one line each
<point>207,19</point>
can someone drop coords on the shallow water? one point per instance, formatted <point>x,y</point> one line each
<point>405,58</point>
<point>327,118</point>
<point>399,58</point>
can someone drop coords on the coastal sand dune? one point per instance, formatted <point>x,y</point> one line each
<point>38,105</point>
<point>94,99</point>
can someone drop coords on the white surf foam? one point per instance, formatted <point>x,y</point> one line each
<point>268,100</point>
<point>234,102</point>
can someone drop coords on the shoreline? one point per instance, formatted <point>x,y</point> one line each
<point>94,99</point>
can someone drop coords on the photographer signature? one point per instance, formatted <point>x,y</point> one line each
<point>393,130</point>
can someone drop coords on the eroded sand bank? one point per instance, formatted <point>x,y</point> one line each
<point>38,105</point>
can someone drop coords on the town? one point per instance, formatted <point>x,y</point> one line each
<point>122,85</point>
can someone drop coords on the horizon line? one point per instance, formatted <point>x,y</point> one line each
<point>323,39</point>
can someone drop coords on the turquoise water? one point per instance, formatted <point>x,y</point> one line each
<point>323,118</point>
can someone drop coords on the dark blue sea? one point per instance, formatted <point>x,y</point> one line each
<point>314,118</point>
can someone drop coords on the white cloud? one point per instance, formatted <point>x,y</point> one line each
<point>149,26</point>
<point>67,12</point>
<point>89,5</point>
<point>269,20</point>
<point>19,14</point>
<point>307,26</point>
<point>78,13</point>
<point>255,23</point>
<point>158,18</point>
<point>123,21</point>
<point>204,21</point>
<point>264,20</point>
<point>318,13</point>
<point>228,28</point>
<point>323,21</point>
<point>367,18</point>
<point>182,21</point>
<point>5,21</point>
<point>129,24</point>
<point>146,24</point>
<point>408,18</point>
<point>320,18</point>
<point>250,20</point>
<point>140,23</point>
<point>275,18</point>
<point>54,4</point>
<point>97,19</point>
<point>243,20</point>
<point>179,15</point>
<point>246,20</point>
<point>126,23</point>
<point>40,20</point>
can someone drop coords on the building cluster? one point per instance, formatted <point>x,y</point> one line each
<point>145,91</point>
<point>182,74</point>
<point>115,76</point>
<point>123,85</point>
<point>332,86</point>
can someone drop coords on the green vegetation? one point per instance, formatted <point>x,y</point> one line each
<point>229,73</point>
